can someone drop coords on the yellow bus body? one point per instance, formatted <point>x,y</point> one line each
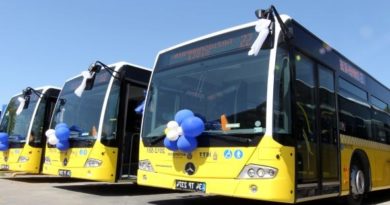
<point>30,164</point>
<point>77,157</point>
<point>168,167</point>
<point>378,155</point>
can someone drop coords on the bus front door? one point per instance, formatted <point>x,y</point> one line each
<point>317,158</point>
<point>128,160</point>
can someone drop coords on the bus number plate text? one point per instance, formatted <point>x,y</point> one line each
<point>190,186</point>
<point>4,167</point>
<point>64,173</point>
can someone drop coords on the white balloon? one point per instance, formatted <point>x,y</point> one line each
<point>50,132</point>
<point>172,135</point>
<point>172,125</point>
<point>179,130</point>
<point>52,140</point>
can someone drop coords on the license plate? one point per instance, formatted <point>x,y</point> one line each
<point>4,167</point>
<point>190,186</point>
<point>64,173</point>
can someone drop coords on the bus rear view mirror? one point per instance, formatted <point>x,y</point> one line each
<point>93,69</point>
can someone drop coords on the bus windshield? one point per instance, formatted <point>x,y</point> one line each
<point>223,86</point>
<point>82,114</point>
<point>17,125</point>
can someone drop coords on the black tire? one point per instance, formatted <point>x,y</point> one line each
<point>357,184</point>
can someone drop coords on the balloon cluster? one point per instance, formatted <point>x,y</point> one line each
<point>4,144</point>
<point>181,133</point>
<point>59,136</point>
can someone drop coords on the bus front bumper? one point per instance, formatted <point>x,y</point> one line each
<point>276,190</point>
<point>89,173</point>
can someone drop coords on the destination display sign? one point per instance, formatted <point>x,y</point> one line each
<point>352,72</point>
<point>240,39</point>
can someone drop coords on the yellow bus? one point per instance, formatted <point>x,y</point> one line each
<point>101,123</point>
<point>266,111</point>
<point>22,138</point>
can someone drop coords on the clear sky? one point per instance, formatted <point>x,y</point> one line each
<point>45,42</point>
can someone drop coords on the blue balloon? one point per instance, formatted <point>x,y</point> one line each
<point>61,125</point>
<point>5,142</point>
<point>171,145</point>
<point>192,127</point>
<point>3,146</point>
<point>187,144</point>
<point>63,145</point>
<point>181,115</point>
<point>3,136</point>
<point>62,133</point>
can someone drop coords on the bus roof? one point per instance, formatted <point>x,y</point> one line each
<point>117,65</point>
<point>285,18</point>
<point>43,88</point>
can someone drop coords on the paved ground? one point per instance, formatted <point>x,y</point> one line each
<point>30,190</point>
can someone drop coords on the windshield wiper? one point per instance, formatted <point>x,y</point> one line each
<point>233,138</point>
<point>83,138</point>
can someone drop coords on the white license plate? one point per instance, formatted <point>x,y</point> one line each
<point>64,173</point>
<point>190,186</point>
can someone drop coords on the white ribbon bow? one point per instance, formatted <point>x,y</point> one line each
<point>22,102</point>
<point>79,91</point>
<point>263,30</point>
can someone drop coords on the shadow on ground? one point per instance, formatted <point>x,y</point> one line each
<point>105,189</point>
<point>378,197</point>
<point>43,179</point>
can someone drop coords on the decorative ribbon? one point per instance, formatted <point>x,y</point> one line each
<point>86,75</point>
<point>22,102</point>
<point>262,27</point>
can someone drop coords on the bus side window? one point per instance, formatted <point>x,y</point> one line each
<point>37,133</point>
<point>378,125</point>
<point>355,116</point>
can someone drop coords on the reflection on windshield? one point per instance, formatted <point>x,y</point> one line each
<point>17,125</point>
<point>82,114</point>
<point>228,93</point>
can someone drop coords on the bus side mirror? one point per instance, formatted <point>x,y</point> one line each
<point>88,79</point>
<point>26,95</point>
<point>93,69</point>
<point>27,102</point>
<point>262,14</point>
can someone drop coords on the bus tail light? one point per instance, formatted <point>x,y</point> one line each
<point>92,163</point>
<point>258,172</point>
<point>23,159</point>
<point>145,165</point>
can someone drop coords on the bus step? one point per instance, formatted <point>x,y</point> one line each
<point>127,178</point>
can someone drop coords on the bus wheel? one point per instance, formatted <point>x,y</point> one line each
<point>357,185</point>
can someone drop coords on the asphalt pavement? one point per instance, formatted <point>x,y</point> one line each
<point>41,189</point>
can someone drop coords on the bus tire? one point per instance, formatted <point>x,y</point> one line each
<point>357,184</point>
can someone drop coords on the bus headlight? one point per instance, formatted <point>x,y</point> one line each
<point>92,163</point>
<point>145,165</point>
<point>258,172</point>
<point>23,159</point>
